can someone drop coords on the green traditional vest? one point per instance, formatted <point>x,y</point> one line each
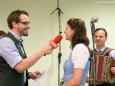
<point>9,76</point>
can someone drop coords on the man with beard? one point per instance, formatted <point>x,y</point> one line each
<point>13,60</point>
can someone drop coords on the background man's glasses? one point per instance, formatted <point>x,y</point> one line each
<point>25,23</point>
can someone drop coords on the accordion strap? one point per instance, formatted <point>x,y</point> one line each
<point>106,51</point>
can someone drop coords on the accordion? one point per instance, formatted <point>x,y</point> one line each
<point>103,69</point>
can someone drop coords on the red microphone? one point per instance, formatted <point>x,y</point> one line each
<point>54,42</point>
<point>57,39</point>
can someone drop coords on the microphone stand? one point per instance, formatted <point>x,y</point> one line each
<point>94,54</point>
<point>60,31</point>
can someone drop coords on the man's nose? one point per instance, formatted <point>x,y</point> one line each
<point>98,37</point>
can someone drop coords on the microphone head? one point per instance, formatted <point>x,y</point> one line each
<point>57,39</point>
<point>94,20</point>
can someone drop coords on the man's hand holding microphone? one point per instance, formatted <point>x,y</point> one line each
<point>52,44</point>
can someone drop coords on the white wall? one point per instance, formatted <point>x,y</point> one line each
<point>45,26</point>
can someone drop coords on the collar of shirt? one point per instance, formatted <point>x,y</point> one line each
<point>102,49</point>
<point>16,36</point>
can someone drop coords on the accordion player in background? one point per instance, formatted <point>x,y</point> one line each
<point>105,61</point>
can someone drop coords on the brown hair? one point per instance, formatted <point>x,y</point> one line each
<point>15,16</point>
<point>2,33</point>
<point>101,29</point>
<point>80,35</point>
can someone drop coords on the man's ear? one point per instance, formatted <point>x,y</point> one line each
<point>106,38</point>
<point>14,24</point>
